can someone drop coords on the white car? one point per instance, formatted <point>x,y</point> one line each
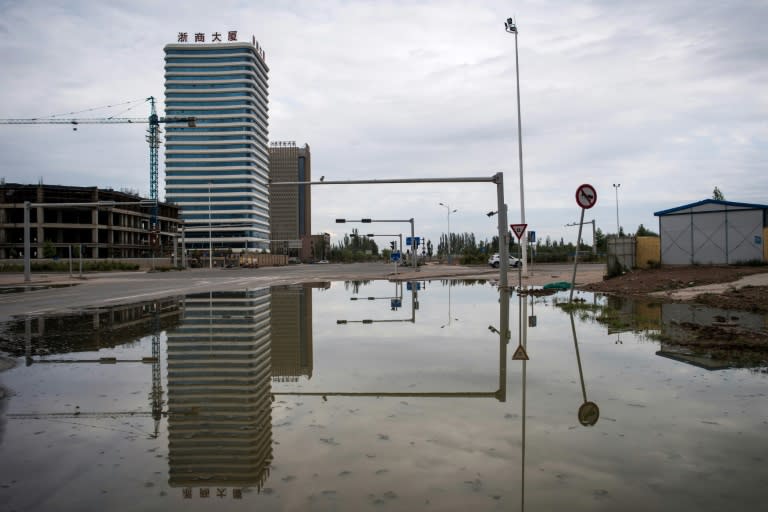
<point>494,261</point>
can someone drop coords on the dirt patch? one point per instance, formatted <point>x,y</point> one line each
<point>719,341</point>
<point>651,281</point>
<point>645,281</point>
<point>728,346</point>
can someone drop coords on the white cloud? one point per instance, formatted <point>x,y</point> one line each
<point>666,98</point>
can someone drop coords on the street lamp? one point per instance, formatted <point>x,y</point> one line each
<point>511,27</point>
<point>616,188</point>
<point>448,208</point>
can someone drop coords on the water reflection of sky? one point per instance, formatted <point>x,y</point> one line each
<point>671,436</point>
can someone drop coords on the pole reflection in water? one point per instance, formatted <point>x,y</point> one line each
<point>500,394</point>
<point>395,304</point>
<point>521,354</point>
<point>523,312</point>
<point>588,413</point>
<point>504,335</point>
<point>450,312</point>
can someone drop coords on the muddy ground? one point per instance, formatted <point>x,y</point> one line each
<point>724,340</point>
<point>644,283</point>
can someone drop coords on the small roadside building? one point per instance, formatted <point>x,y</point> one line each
<point>713,232</point>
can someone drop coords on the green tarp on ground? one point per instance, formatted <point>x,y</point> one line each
<point>558,285</point>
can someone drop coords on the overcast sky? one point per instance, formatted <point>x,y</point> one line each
<point>667,98</point>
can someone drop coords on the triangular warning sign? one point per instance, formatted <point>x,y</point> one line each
<point>520,354</point>
<point>518,229</point>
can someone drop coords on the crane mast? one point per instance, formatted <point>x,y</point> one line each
<point>154,144</point>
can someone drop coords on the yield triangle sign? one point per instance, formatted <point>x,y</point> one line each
<point>520,354</point>
<point>518,229</point>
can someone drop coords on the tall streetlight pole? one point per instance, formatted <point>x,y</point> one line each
<point>447,207</point>
<point>616,188</point>
<point>511,27</point>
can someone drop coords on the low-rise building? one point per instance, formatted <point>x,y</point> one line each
<point>713,232</point>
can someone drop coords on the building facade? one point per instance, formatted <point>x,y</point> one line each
<point>115,225</point>
<point>290,206</point>
<point>217,171</point>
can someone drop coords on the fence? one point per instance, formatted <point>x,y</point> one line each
<point>621,254</point>
<point>648,252</point>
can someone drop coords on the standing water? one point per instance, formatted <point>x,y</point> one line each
<point>369,396</point>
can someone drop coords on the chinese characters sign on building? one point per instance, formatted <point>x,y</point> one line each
<point>216,37</point>
<point>199,37</point>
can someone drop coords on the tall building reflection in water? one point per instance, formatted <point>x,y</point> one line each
<point>292,332</point>
<point>221,361</point>
<point>219,401</point>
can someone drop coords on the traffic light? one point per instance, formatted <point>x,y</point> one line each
<point>392,245</point>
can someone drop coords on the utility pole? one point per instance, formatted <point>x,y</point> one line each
<point>594,239</point>
<point>448,207</point>
<point>618,226</point>
<point>511,27</point>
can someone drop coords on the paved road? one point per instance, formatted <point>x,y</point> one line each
<point>108,289</point>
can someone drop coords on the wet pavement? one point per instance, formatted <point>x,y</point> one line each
<point>114,288</point>
<point>369,395</point>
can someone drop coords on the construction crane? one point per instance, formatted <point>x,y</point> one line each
<point>153,138</point>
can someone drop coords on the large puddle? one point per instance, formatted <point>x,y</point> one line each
<point>376,396</point>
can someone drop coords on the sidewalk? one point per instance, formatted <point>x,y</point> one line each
<point>52,278</point>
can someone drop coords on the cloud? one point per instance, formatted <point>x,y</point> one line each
<point>666,98</point>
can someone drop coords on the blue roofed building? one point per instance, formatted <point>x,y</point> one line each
<point>713,232</point>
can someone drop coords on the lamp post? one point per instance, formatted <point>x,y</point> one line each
<point>448,208</point>
<point>511,27</point>
<point>616,188</point>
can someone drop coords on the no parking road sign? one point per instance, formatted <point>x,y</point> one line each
<point>586,196</point>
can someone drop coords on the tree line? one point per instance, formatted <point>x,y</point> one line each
<point>469,250</point>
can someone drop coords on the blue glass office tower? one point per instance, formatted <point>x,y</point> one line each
<point>217,171</point>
